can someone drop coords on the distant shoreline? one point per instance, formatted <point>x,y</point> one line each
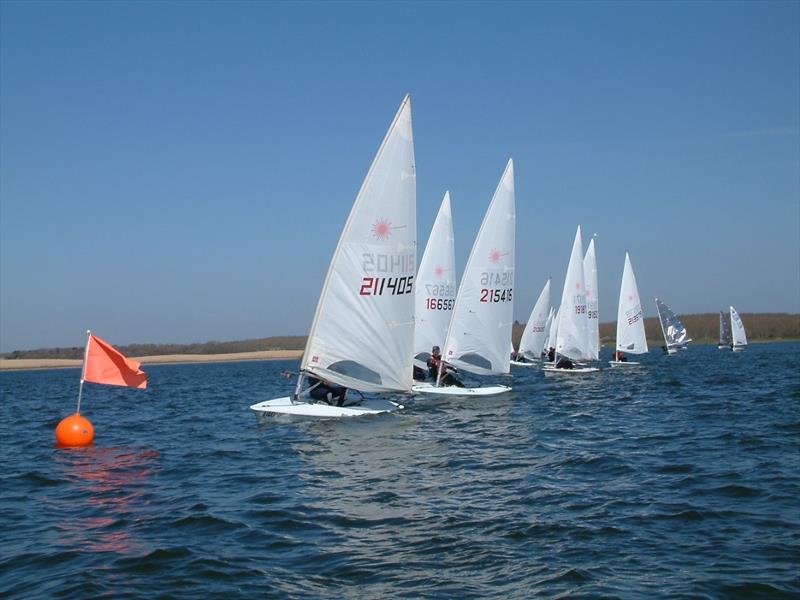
<point>26,364</point>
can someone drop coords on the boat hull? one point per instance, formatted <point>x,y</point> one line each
<point>489,390</point>
<point>515,363</point>
<point>551,370</point>
<point>302,409</point>
<point>624,363</point>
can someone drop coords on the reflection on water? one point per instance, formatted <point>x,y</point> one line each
<point>110,487</point>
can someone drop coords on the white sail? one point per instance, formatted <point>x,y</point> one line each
<point>548,329</point>
<point>480,328</point>
<point>363,331</point>
<point>572,339</point>
<point>592,302</point>
<point>675,334</point>
<point>724,331</point>
<point>737,330</point>
<point>631,336</point>
<point>533,336</point>
<point>551,339</point>
<point>436,285</point>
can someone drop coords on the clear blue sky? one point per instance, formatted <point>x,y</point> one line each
<point>180,172</point>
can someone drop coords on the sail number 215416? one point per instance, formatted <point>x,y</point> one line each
<point>503,292</point>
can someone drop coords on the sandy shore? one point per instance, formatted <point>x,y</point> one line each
<point>59,363</point>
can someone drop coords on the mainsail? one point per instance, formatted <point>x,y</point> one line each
<point>631,336</point>
<point>592,302</point>
<point>675,334</point>
<point>724,331</point>
<point>572,338</point>
<point>480,328</point>
<point>737,329</point>
<point>363,331</point>
<point>435,291</point>
<point>533,336</point>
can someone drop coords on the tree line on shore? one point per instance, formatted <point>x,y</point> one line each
<point>702,328</point>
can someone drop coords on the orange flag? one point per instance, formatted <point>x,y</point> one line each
<point>105,364</point>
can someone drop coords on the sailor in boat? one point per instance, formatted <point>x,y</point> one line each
<point>619,356</point>
<point>327,392</point>
<point>517,357</point>
<point>551,354</point>
<point>564,363</point>
<point>448,377</point>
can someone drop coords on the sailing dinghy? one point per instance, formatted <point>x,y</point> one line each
<point>592,302</point>
<point>480,328</point>
<point>435,290</point>
<point>533,337</point>
<point>362,335</point>
<point>631,338</point>
<point>725,342</point>
<point>737,329</point>
<point>675,334</point>
<point>572,337</point>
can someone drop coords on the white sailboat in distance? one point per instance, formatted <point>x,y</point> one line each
<point>362,335</point>
<point>533,336</point>
<point>572,341</point>
<point>631,338</point>
<point>435,290</point>
<point>675,334</point>
<point>725,342</point>
<point>737,331</point>
<point>479,334</point>
<point>592,301</point>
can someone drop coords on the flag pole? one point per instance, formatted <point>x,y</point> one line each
<point>83,371</point>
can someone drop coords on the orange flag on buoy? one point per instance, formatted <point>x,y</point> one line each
<point>105,364</point>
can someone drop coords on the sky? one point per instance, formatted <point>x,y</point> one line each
<point>176,172</point>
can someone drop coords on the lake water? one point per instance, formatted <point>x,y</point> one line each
<point>680,478</point>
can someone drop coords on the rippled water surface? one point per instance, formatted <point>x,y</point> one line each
<point>679,478</point>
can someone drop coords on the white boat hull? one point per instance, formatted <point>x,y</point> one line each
<point>623,363</point>
<point>550,369</point>
<point>515,363</point>
<point>726,347</point>
<point>489,390</point>
<point>300,408</point>
<point>738,348</point>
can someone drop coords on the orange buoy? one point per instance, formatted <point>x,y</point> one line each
<point>74,430</point>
